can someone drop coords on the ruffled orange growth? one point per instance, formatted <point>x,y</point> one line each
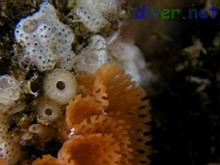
<point>80,109</point>
<point>124,95</point>
<point>47,160</point>
<point>123,100</point>
<point>108,125</point>
<point>96,149</point>
<point>87,82</point>
<point>99,92</point>
<point>127,101</point>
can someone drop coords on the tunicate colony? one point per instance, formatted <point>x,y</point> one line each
<point>46,44</point>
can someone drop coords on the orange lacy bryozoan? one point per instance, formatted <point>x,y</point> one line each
<point>47,160</point>
<point>89,149</point>
<point>108,123</point>
<point>2,162</point>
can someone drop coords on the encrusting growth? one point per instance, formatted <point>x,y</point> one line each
<point>46,40</point>
<point>62,108</point>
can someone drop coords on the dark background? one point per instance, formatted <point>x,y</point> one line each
<point>186,123</point>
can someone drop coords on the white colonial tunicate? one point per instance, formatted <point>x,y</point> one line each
<point>46,40</point>
<point>132,60</point>
<point>10,150</point>
<point>60,86</point>
<point>94,14</point>
<point>9,90</point>
<point>93,56</point>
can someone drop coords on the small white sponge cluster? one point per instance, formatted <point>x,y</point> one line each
<point>93,56</point>
<point>9,90</point>
<point>94,13</point>
<point>45,39</point>
<point>60,86</point>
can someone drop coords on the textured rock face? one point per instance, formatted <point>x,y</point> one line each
<point>45,39</point>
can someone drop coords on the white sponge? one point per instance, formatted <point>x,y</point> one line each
<point>95,13</point>
<point>45,39</point>
<point>93,56</point>
<point>9,90</point>
<point>132,59</point>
